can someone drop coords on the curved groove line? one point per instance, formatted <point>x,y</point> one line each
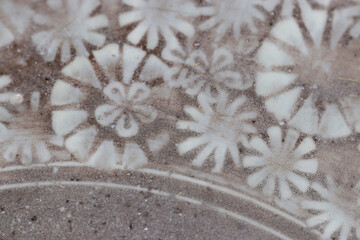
<point>224,190</point>
<point>156,192</point>
<point>173,176</point>
<point>38,165</point>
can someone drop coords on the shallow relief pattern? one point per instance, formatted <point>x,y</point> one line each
<point>250,96</point>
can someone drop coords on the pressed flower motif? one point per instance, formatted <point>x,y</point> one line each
<point>200,73</point>
<point>231,15</point>
<point>303,81</point>
<point>123,109</point>
<point>220,129</point>
<point>21,135</point>
<point>170,84</point>
<point>338,211</point>
<point>159,17</point>
<point>280,162</point>
<point>127,104</point>
<point>70,24</point>
<point>14,21</point>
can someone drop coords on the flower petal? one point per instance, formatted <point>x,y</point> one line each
<point>275,138</point>
<point>116,92</point>
<point>138,92</point>
<point>219,157</point>
<point>305,147</point>
<point>253,161</point>
<point>221,58</point>
<point>285,191</point>
<point>260,145</point>
<point>197,60</point>
<point>269,186</point>
<point>233,80</point>
<point>26,155</point>
<point>306,165</point>
<point>300,182</point>
<point>192,143</point>
<point>10,152</point>
<point>203,155</point>
<point>106,114</point>
<point>258,177</point>
<point>133,156</point>
<point>127,126</point>
<point>145,114</point>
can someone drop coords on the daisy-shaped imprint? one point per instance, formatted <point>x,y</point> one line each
<point>220,129</point>
<point>338,211</point>
<point>282,162</point>
<point>14,20</point>
<point>21,133</point>
<point>304,80</point>
<point>155,17</point>
<point>231,15</point>
<point>120,108</point>
<point>70,24</point>
<point>199,73</point>
<point>127,104</point>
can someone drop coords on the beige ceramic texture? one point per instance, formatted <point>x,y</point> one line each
<point>180,119</point>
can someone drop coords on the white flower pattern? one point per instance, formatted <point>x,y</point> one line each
<point>300,81</point>
<point>20,133</point>
<point>263,93</point>
<point>14,21</point>
<point>220,129</point>
<point>231,15</point>
<point>280,161</point>
<point>125,106</point>
<point>159,17</point>
<point>199,73</point>
<point>70,25</point>
<point>338,210</point>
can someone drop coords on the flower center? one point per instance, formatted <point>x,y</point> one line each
<point>225,127</point>
<point>347,201</point>
<point>282,161</point>
<point>330,74</point>
<point>31,127</point>
<point>161,11</point>
<point>229,11</point>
